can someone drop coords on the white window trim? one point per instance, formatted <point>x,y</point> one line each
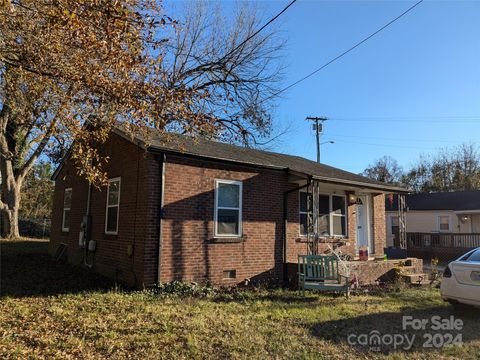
<point>66,229</point>
<point>330,215</point>
<point>449,223</point>
<point>119,179</point>
<point>216,208</point>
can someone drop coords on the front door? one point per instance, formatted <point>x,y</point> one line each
<point>362,229</point>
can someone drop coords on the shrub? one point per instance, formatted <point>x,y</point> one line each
<point>184,289</point>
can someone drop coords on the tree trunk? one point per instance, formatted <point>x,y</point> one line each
<point>10,214</point>
<point>11,224</point>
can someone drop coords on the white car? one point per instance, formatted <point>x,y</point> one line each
<point>461,280</point>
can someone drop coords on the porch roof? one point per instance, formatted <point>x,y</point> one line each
<point>208,149</point>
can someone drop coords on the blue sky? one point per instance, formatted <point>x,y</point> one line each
<point>412,89</point>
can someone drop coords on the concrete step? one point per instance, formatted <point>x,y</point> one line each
<point>416,278</point>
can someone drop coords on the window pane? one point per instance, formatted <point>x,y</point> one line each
<point>228,195</point>
<point>444,222</point>
<point>324,225</point>
<point>324,204</point>
<point>394,220</point>
<point>339,225</point>
<point>113,192</point>
<point>474,256</point>
<point>303,201</point>
<point>113,198</point>
<point>303,224</point>
<point>67,198</point>
<point>338,203</point>
<point>112,215</point>
<point>227,222</point>
<point>66,219</point>
<point>114,186</point>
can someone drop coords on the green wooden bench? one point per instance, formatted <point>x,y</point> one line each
<point>319,272</point>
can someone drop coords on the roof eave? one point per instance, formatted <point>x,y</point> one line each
<point>384,188</point>
<point>159,149</point>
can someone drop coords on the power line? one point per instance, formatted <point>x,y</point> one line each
<point>345,52</point>
<point>392,139</point>
<point>466,117</point>
<point>259,30</point>
<point>387,145</point>
<point>250,37</point>
<point>451,121</point>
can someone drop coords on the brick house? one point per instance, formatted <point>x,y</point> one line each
<point>204,210</point>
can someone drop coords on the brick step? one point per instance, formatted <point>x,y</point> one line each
<point>422,283</point>
<point>408,270</point>
<point>416,278</point>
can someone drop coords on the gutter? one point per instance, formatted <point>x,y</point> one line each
<point>154,149</point>
<point>285,227</point>
<point>163,161</point>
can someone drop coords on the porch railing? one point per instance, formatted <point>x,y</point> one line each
<point>443,240</point>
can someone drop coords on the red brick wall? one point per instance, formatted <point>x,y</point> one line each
<point>189,250</point>
<point>137,224</point>
<point>379,227</point>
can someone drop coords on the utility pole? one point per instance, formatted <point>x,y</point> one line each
<point>318,127</point>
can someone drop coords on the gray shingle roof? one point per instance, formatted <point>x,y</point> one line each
<point>221,151</point>
<point>456,201</point>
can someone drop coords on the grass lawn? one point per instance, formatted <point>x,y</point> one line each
<point>50,310</point>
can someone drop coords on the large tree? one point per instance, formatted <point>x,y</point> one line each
<point>70,70</point>
<point>384,169</point>
<point>456,169</point>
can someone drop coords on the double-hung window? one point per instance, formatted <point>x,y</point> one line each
<point>228,208</point>
<point>444,223</point>
<point>67,204</point>
<point>331,215</point>
<point>113,205</point>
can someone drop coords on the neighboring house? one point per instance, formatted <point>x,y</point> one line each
<point>208,211</point>
<point>436,213</point>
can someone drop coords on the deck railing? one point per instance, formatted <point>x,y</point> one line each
<point>443,240</point>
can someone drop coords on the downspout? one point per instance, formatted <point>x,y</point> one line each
<point>163,161</point>
<point>88,231</point>
<point>285,226</point>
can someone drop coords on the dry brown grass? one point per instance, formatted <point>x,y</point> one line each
<point>70,320</point>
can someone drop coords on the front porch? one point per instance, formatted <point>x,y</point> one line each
<point>326,216</point>
<point>373,272</point>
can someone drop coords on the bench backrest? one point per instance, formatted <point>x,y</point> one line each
<point>318,267</point>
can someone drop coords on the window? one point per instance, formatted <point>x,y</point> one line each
<point>228,208</point>
<point>474,257</point>
<point>67,204</point>
<point>324,215</point>
<point>305,209</point>
<point>113,205</point>
<point>467,255</point>
<point>444,223</point>
<point>331,214</point>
